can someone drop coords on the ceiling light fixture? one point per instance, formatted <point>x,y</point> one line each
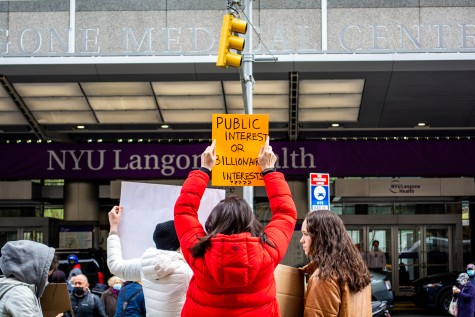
<point>80,127</point>
<point>421,124</point>
<point>165,126</point>
<point>335,125</point>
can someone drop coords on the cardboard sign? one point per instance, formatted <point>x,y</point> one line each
<point>290,288</point>
<point>239,138</point>
<point>55,300</point>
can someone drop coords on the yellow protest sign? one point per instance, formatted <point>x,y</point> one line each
<point>239,138</point>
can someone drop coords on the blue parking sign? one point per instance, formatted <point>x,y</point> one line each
<point>319,191</point>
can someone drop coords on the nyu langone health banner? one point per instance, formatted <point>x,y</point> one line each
<point>429,158</point>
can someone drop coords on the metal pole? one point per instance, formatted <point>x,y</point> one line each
<point>247,82</point>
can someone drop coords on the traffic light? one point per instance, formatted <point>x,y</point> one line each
<point>230,41</point>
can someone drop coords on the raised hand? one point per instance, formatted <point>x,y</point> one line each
<point>115,216</point>
<point>208,157</point>
<point>266,157</point>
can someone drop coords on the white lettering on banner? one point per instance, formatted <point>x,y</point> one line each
<point>94,160</point>
<point>202,40</point>
<point>62,161</point>
<point>283,161</point>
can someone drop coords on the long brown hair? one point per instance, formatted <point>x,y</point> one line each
<point>333,253</point>
<point>231,215</point>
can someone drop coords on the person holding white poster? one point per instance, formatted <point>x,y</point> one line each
<point>162,270</point>
<point>234,257</point>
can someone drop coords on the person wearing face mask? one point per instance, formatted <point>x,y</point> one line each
<point>471,272</point>
<point>83,302</point>
<point>110,295</point>
<point>376,258</point>
<point>465,293</point>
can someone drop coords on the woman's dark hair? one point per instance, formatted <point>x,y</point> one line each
<point>333,253</point>
<point>231,215</point>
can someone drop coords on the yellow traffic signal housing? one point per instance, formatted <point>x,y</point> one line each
<point>230,41</point>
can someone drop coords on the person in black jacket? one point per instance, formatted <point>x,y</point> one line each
<point>83,302</point>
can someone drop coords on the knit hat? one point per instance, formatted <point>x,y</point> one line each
<point>470,266</point>
<point>165,237</point>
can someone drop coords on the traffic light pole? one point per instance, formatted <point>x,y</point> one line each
<point>247,82</point>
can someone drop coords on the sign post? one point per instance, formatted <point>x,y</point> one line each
<point>319,191</point>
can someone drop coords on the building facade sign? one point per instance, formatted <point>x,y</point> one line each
<point>408,187</point>
<point>150,33</point>
<point>448,158</point>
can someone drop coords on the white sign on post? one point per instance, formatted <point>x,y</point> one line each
<point>145,205</point>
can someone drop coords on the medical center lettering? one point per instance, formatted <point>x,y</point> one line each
<point>120,160</point>
<point>198,40</point>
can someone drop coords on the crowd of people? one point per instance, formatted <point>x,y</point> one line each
<point>224,268</point>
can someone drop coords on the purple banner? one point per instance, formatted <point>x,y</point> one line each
<point>430,158</point>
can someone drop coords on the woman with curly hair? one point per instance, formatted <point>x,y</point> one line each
<point>339,283</point>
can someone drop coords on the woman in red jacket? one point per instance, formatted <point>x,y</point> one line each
<point>233,261</point>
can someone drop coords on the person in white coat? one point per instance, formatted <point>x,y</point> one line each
<point>163,271</point>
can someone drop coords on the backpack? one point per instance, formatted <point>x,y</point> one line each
<point>126,302</point>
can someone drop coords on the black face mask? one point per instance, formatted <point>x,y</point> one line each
<point>78,291</point>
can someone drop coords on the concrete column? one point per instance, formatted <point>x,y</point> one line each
<point>81,201</point>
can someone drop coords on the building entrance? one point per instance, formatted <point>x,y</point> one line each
<point>409,251</point>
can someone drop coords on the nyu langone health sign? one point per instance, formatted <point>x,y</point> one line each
<point>447,158</point>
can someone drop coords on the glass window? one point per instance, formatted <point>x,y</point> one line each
<point>419,208</point>
<point>33,235</point>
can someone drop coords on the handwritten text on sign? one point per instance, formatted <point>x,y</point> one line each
<point>238,141</point>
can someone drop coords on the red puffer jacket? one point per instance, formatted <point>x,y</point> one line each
<point>236,275</point>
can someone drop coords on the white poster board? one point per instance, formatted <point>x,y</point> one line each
<point>145,205</point>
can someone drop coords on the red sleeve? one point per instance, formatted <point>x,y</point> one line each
<point>187,225</point>
<point>284,214</point>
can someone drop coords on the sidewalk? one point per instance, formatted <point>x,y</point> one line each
<point>405,307</point>
<point>404,304</point>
